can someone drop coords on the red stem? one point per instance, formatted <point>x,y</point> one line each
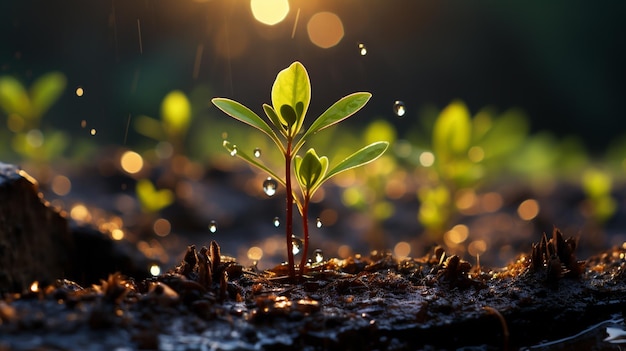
<point>289,219</point>
<point>305,225</point>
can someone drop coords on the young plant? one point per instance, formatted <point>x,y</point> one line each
<point>291,95</point>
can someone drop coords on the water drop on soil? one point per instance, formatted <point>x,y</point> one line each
<point>269,186</point>
<point>398,108</point>
<point>257,152</point>
<point>318,256</point>
<point>213,226</point>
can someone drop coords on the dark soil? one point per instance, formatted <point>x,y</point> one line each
<point>373,302</point>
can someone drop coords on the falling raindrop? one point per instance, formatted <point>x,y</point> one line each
<point>318,223</point>
<point>269,186</point>
<point>318,256</point>
<point>296,244</point>
<point>276,222</point>
<point>362,49</point>
<point>257,152</point>
<point>398,108</point>
<point>233,151</point>
<point>213,226</point>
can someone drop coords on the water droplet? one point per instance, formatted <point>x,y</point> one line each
<point>92,131</point>
<point>362,49</point>
<point>269,186</point>
<point>318,223</point>
<point>398,108</point>
<point>276,222</point>
<point>233,151</point>
<point>155,270</point>
<point>257,152</point>
<point>297,244</point>
<point>318,256</point>
<point>80,91</point>
<point>213,226</point>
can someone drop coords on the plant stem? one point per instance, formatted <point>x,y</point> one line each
<point>305,225</point>
<point>289,219</point>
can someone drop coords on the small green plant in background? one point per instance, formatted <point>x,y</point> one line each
<point>291,95</point>
<point>25,108</point>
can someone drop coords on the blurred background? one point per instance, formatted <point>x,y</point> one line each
<point>553,74</point>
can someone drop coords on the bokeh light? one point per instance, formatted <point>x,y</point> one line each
<point>61,185</point>
<point>325,29</point>
<point>269,12</point>
<point>402,249</point>
<point>162,227</point>
<point>255,253</point>
<point>131,162</point>
<point>528,209</point>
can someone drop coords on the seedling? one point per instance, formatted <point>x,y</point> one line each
<point>291,95</point>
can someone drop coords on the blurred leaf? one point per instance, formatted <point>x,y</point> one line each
<point>292,87</point>
<point>506,134</point>
<point>452,132</point>
<point>148,126</point>
<point>151,199</point>
<point>380,130</point>
<point>13,97</point>
<point>45,91</point>
<point>176,113</point>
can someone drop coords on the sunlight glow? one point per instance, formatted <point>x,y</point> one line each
<point>325,29</point>
<point>269,12</point>
<point>131,162</point>
<point>528,209</point>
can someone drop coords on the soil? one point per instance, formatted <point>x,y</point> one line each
<point>375,302</point>
<point>210,301</point>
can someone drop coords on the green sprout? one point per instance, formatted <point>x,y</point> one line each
<point>291,95</point>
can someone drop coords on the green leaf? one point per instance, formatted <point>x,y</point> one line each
<point>292,87</point>
<point>340,110</point>
<point>13,97</point>
<point>176,113</point>
<point>235,151</point>
<point>452,131</point>
<point>245,115</point>
<point>310,169</point>
<point>366,155</point>
<point>289,115</point>
<point>273,117</point>
<point>45,91</point>
<point>152,200</point>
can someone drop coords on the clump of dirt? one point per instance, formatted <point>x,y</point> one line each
<point>365,302</point>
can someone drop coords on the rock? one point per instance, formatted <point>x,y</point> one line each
<point>34,239</point>
<point>37,243</point>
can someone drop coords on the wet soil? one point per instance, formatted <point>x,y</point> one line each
<point>373,302</point>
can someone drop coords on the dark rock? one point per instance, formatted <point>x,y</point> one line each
<point>37,243</point>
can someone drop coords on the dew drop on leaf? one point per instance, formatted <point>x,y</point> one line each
<point>276,222</point>
<point>398,108</point>
<point>362,49</point>
<point>318,256</point>
<point>213,226</point>
<point>257,152</point>
<point>318,223</point>
<point>296,244</point>
<point>269,186</point>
